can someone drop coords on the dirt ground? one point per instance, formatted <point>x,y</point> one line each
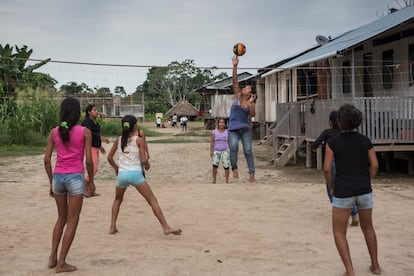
<point>281,225</point>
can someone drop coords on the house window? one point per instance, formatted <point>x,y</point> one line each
<point>411,64</point>
<point>368,92</point>
<point>387,68</point>
<point>308,82</point>
<point>346,77</point>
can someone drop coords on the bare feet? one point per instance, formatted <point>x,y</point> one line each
<point>113,230</point>
<point>235,174</point>
<point>251,178</point>
<point>65,268</point>
<point>172,231</point>
<point>376,271</point>
<point>52,262</point>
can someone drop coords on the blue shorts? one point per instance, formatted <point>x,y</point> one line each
<point>68,183</point>
<point>362,202</point>
<point>134,178</point>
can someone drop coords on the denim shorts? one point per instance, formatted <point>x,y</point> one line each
<point>364,201</point>
<point>134,178</point>
<point>68,183</point>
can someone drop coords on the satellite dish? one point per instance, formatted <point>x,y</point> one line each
<point>321,40</point>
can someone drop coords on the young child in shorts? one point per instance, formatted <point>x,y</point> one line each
<point>219,149</point>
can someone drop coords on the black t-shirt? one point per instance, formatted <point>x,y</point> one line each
<point>95,129</point>
<point>352,164</point>
<point>325,136</point>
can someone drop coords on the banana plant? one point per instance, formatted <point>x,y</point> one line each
<point>13,70</point>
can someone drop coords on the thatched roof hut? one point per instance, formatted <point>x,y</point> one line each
<point>183,108</point>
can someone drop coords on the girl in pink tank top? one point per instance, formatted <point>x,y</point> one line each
<point>66,181</point>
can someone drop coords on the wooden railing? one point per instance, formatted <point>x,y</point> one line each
<point>387,120</point>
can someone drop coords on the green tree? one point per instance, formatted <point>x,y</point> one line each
<point>15,74</point>
<point>120,90</point>
<point>165,86</point>
<point>72,89</point>
<point>103,92</point>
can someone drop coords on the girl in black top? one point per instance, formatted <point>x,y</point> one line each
<point>91,114</point>
<point>328,133</point>
<point>356,165</point>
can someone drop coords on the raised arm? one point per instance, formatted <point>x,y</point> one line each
<point>252,104</point>
<point>236,87</point>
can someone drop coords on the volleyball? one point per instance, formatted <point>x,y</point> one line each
<point>239,49</point>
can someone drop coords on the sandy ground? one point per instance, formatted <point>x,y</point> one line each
<point>281,225</point>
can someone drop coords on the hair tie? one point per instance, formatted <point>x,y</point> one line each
<point>126,124</point>
<point>64,124</point>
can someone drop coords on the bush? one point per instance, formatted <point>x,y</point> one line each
<point>27,123</point>
<point>110,127</point>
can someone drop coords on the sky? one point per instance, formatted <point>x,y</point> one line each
<point>144,33</point>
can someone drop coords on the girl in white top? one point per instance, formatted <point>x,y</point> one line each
<point>129,171</point>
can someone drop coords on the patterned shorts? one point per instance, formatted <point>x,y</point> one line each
<point>223,156</point>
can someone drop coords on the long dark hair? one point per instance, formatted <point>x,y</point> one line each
<point>89,109</point>
<point>350,117</point>
<point>218,121</point>
<point>128,123</point>
<point>68,117</point>
<point>333,117</point>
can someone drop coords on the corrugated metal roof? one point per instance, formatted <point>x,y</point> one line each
<point>223,84</point>
<point>350,39</point>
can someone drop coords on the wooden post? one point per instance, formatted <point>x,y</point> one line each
<point>319,161</point>
<point>308,154</point>
<point>410,160</point>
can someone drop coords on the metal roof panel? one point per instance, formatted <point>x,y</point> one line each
<point>350,39</point>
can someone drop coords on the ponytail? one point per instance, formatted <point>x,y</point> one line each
<point>128,125</point>
<point>69,116</point>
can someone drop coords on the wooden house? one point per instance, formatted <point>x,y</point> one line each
<point>371,67</point>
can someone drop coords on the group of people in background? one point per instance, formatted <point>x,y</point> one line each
<point>172,120</point>
<point>349,165</point>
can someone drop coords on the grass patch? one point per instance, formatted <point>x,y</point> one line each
<point>173,141</point>
<point>112,128</point>
<point>150,133</point>
<point>193,133</point>
<point>20,150</point>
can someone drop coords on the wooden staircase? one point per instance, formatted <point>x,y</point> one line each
<point>287,150</point>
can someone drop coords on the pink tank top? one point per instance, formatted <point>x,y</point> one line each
<point>70,156</point>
